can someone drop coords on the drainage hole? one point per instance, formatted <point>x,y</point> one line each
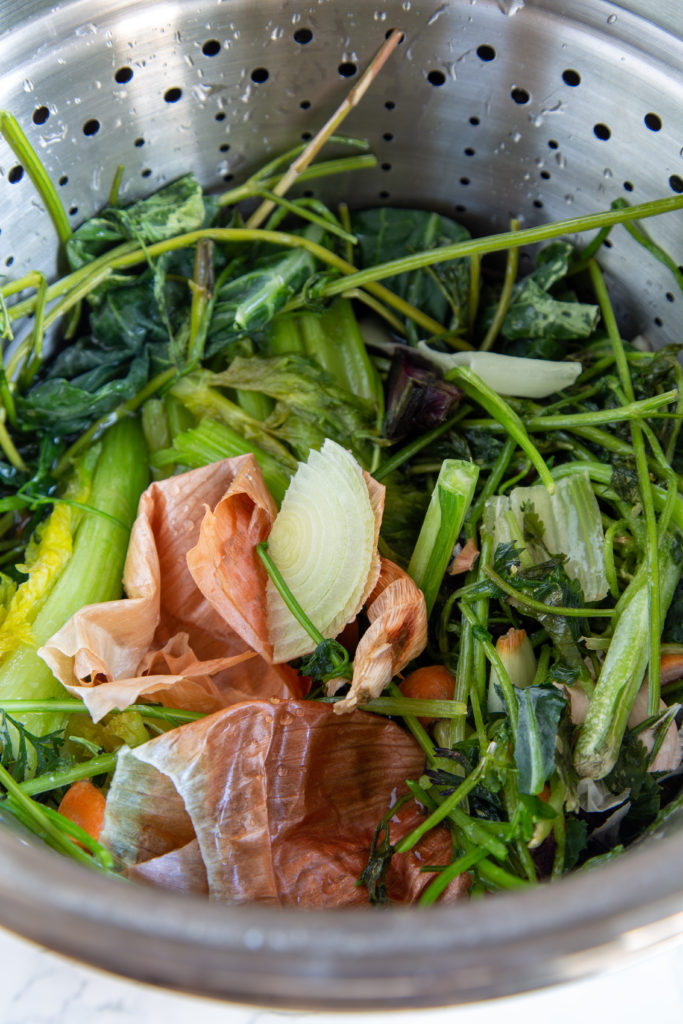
<point>519,95</point>
<point>602,132</point>
<point>676,183</point>
<point>211,47</point>
<point>91,127</point>
<point>486,52</point>
<point>15,174</point>
<point>123,75</point>
<point>40,115</point>
<point>653,122</point>
<point>260,75</point>
<point>628,186</point>
<point>436,78</point>
<point>173,94</point>
<point>571,77</point>
<point>303,36</point>
<point>347,69</point>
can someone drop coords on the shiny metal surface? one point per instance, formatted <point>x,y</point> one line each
<point>489,109</point>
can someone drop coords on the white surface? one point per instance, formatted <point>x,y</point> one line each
<point>39,987</point>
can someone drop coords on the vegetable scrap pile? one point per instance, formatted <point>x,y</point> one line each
<point>400,537</point>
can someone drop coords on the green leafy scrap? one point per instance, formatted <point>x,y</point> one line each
<point>539,710</point>
<point>441,291</point>
<point>172,210</point>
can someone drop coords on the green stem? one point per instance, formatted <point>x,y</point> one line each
<point>102,764</point>
<point>653,570</point>
<point>505,295</point>
<point>545,609</point>
<point>287,595</point>
<point>442,524</point>
<point>506,240</point>
<point>413,447</point>
<point>494,659</point>
<point>450,802</point>
<point>28,158</point>
<point>475,388</point>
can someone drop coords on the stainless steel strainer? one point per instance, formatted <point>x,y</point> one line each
<point>489,109</point>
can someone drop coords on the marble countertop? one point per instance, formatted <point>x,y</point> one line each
<point>41,987</point>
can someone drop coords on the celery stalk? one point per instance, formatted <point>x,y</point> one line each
<point>451,498</point>
<point>92,574</point>
<point>211,441</point>
<point>334,340</point>
<point>624,666</point>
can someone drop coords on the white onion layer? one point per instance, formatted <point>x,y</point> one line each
<point>323,543</point>
<point>509,375</point>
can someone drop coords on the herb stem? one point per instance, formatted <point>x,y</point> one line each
<point>451,802</point>
<point>653,573</point>
<point>538,606</point>
<point>505,295</point>
<point>28,158</point>
<point>505,240</point>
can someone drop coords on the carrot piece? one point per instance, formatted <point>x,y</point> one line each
<point>83,803</point>
<point>432,682</point>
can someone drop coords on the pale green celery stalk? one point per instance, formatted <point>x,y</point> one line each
<point>204,401</point>
<point>155,427</point>
<point>211,441</point>
<point>624,666</point>
<point>255,403</point>
<point>572,525</point>
<point>93,572</point>
<point>334,340</point>
<point>451,498</point>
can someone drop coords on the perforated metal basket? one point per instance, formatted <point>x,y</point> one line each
<point>489,109</point>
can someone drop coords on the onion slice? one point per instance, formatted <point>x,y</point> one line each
<point>509,375</point>
<point>324,542</point>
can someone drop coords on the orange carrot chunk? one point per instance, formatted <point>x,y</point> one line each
<point>432,682</point>
<point>83,803</point>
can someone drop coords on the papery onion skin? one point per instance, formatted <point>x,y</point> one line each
<point>283,798</point>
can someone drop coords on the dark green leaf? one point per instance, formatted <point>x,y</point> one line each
<point>539,710</point>
<point>328,661</point>
<point>441,291</point>
<point>576,840</point>
<point>173,210</point>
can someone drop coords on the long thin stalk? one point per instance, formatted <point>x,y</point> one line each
<point>323,134</point>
